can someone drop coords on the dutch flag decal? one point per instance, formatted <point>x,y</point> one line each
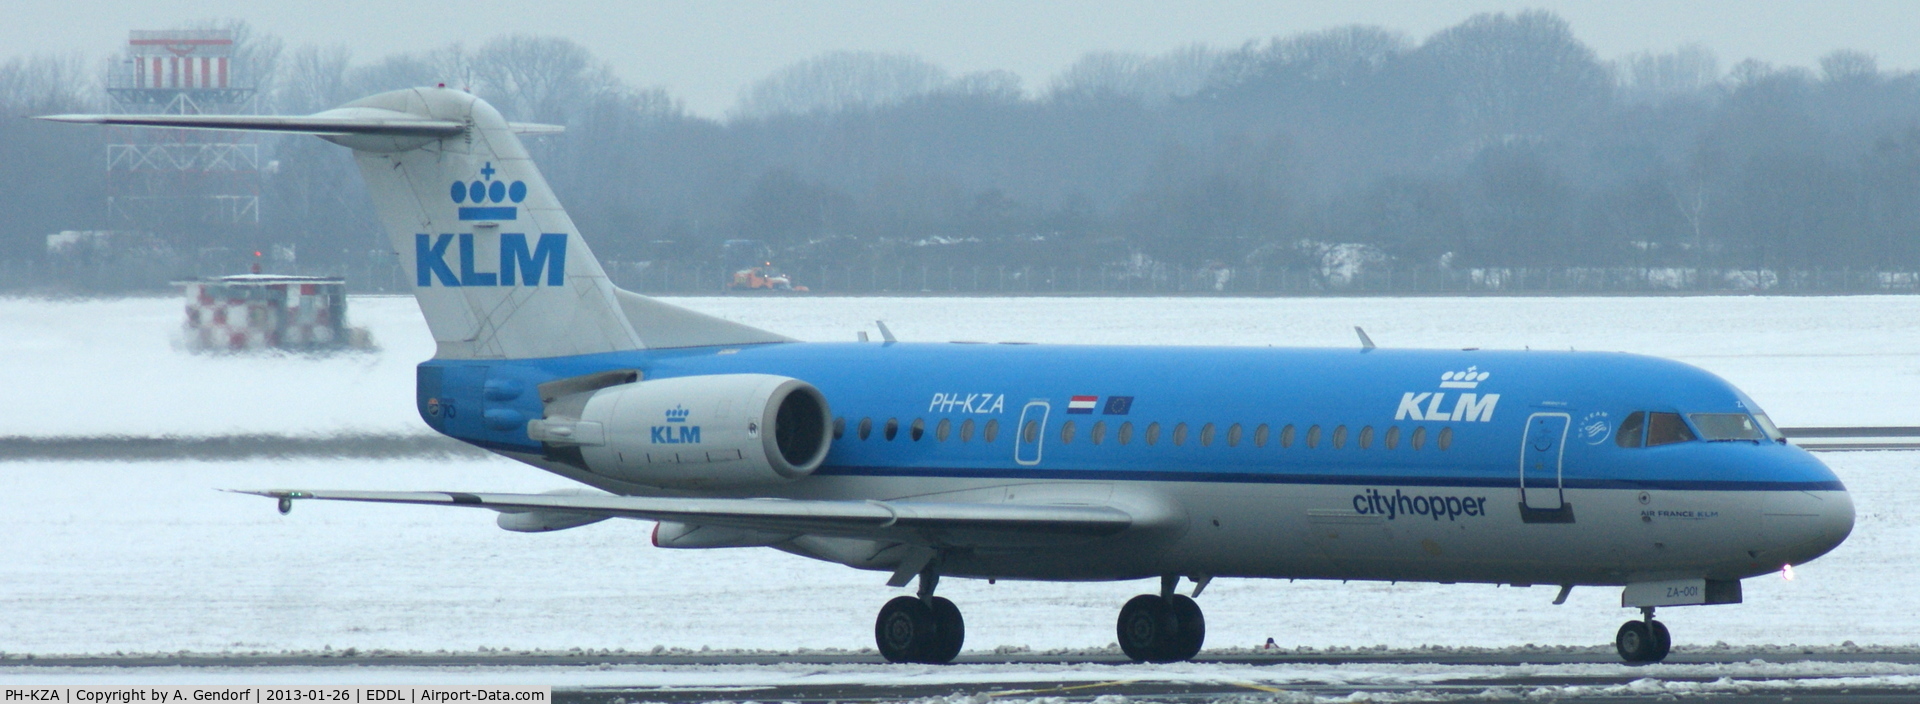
<point>1082,404</point>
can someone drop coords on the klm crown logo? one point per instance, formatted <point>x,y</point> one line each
<point>1469,379</point>
<point>676,432</point>
<point>1433,405</point>
<point>484,191</point>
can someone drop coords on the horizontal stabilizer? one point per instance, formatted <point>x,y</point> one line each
<point>332,122</point>
<point>972,524</point>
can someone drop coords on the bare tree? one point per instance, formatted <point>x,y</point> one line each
<point>1523,75</point>
<point>540,79</point>
<point>841,80</point>
<point>1688,71</point>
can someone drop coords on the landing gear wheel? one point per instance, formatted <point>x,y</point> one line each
<point>1143,622</point>
<point>1157,629</point>
<point>903,630</point>
<point>949,633</point>
<point>910,631</point>
<point>1189,631</point>
<point>1663,639</point>
<point>1639,645</point>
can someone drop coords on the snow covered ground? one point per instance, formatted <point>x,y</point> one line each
<point>106,557</point>
<point>109,367</point>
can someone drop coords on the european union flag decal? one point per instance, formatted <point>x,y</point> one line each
<point>1118,405</point>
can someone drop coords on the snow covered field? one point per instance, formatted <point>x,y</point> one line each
<point>108,367</point>
<point>106,557</point>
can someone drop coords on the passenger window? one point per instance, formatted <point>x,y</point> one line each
<point>966,430</point>
<point>1233,435</point>
<point>1030,433</point>
<point>1393,437</point>
<point>1445,440</point>
<point>893,428</point>
<point>1339,436</point>
<point>1066,433</point>
<point>866,427</point>
<point>1666,429</point>
<point>839,428</point>
<point>1153,433</point>
<point>1098,432</point>
<point>1180,434</point>
<point>918,429</point>
<point>1366,437</point>
<point>1632,430</point>
<point>991,432</point>
<point>943,430</point>
<point>1126,433</point>
<point>1313,436</point>
<point>1206,435</point>
<point>1419,438</point>
<point>1260,436</point>
<point>1286,436</point>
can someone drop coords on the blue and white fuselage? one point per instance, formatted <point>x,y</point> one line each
<point>1263,462</point>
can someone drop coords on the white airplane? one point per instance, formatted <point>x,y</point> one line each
<point>1050,462</point>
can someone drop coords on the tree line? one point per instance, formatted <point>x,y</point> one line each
<point>1503,141</point>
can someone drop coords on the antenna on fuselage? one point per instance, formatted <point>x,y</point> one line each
<point>1366,343</point>
<point>885,334</point>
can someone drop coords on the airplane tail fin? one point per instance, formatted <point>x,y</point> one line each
<point>498,268</point>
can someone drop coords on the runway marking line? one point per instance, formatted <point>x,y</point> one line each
<point>1259,687</point>
<point>1067,688</point>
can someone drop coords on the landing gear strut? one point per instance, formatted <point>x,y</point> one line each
<point>1645,641</point>
<point>924,629</point>
<point>1164,627</point>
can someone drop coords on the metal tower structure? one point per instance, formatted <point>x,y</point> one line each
<point>179,181</point>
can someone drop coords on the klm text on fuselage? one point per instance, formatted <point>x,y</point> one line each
<point>519,265</point>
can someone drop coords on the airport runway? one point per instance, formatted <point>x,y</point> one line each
<point>1559,675</point>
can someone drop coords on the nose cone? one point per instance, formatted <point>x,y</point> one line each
<point>1805,524</point>
<point>1835,523</point>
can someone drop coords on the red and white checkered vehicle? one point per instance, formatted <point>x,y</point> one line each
<point>250,312</point>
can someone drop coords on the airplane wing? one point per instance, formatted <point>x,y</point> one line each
<point>921,523</point>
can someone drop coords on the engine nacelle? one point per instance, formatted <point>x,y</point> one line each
<point>698,431</point>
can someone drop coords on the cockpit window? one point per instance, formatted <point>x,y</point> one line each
<point>1726,426</point>
<point>1666,429</point>
<point>1632,430</point>
<point>1767,426</point>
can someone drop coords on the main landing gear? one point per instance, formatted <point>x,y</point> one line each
<point>924,629</point>
<point>1644,641</point>
<point>1164,627</point>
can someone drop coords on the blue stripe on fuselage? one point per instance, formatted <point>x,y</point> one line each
<point>1224,386</point>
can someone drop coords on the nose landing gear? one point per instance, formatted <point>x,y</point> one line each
<point>1643,642</point>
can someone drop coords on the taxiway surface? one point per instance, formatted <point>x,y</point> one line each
<point>1547,674</point>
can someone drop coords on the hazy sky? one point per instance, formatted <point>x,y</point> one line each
<point>705,51</point>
